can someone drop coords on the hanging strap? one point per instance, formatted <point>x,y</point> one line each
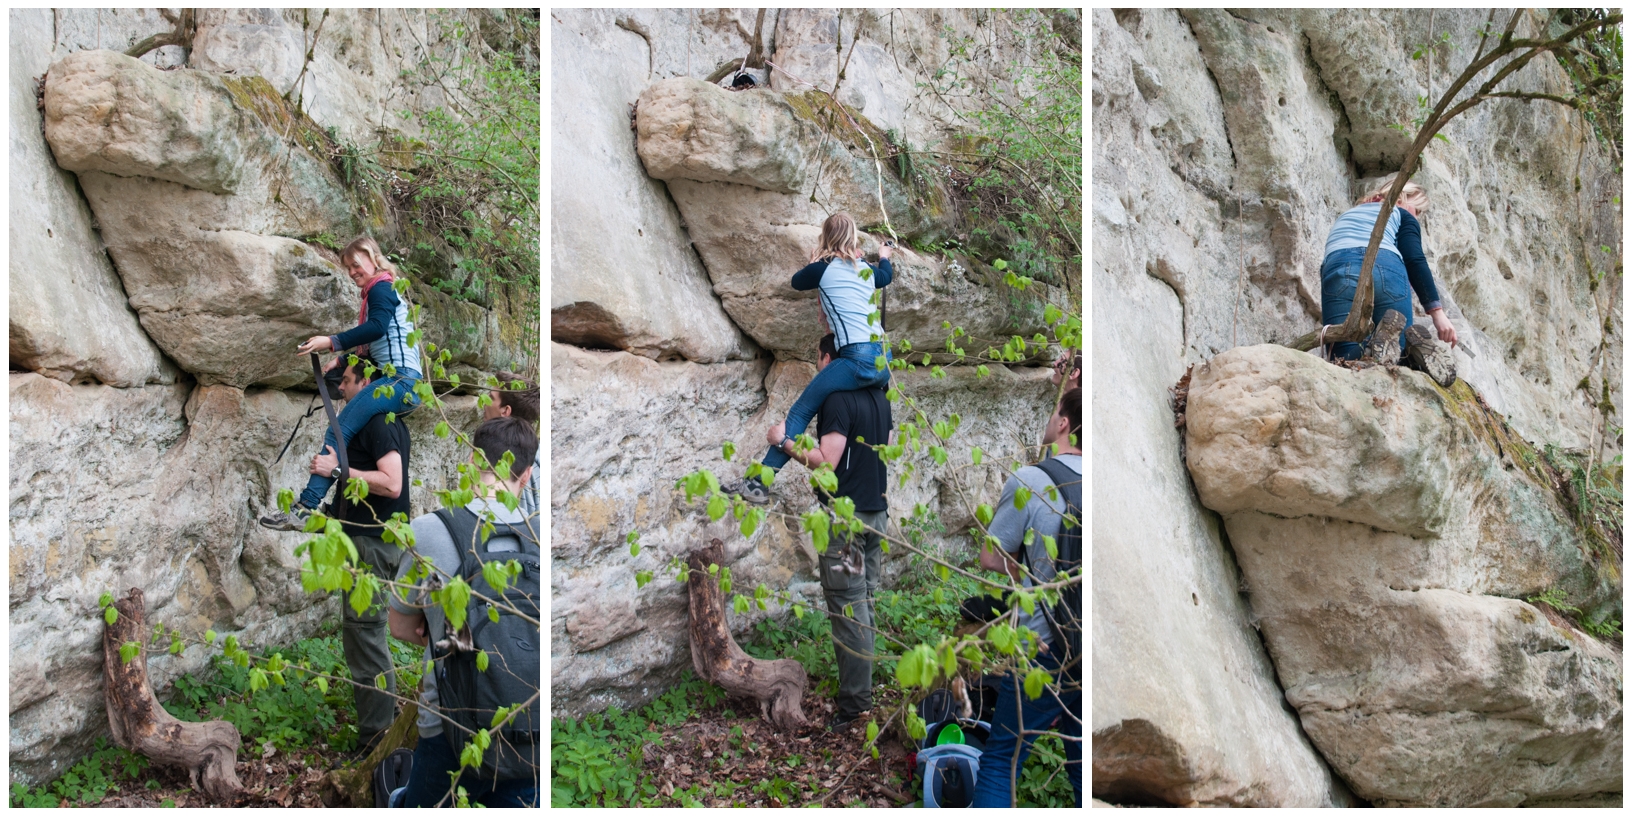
<point>311,407</point>
<point>334,424</point>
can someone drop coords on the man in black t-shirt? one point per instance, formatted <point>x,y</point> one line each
<point>850,569</point>
<point>378,454</point>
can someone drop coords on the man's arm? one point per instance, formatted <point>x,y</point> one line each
<point>386,480</point>
<point>1008,526</point>
<point>407,627</point>
<point>829,449</point>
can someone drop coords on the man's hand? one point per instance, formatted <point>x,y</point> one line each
<point>885,251</point>
<point>774,435</point>
<point>408,628</point>
<point>316,344</point>
<point>1443,327</point>
<point>325,463</point>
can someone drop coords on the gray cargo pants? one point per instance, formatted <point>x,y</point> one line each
<point>854,635</point>
<point>363,640</point>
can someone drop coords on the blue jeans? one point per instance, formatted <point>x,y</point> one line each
<point>428,781</point>
<point>355,415</point>
<point>993,782</point>
<point>1340,271</point>
<point>853,369</point>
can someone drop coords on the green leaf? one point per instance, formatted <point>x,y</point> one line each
<point>816,523</point>
<point>441,430</point>
<point>975,455</point>
<point>106,600</point>
<point>110,615</point>
<point>129,650</point>
<point>1034,685</point>
<point>1000,264</point>
<point>728,450</point>
<point>871,732</point>
<point>1003,637</point>
<point>642,578</point>
<point>210,636</point>
<point>717,507</point>
<point>1049,547</point>
<point>1023,495</point>
<point>984,514</point>
<point>322,684</point>
<point>258,680</point>
<point>482,661</point>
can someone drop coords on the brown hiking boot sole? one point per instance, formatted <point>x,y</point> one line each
<point>1426,355</point>
<point>1384,346</point>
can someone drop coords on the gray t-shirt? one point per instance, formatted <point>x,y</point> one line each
<point>1043,517</point>
<point>529,497</point>
<point>431,539</point>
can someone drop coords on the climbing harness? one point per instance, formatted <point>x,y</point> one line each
<point>334,423</point>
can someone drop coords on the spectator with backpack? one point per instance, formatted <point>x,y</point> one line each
<point>521,404</point>
<point>1017,718</point>
<point>463,693</point>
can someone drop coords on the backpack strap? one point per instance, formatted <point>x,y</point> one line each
<point>1069,484</point>
<point>462,526</point>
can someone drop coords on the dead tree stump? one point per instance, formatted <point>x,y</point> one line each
<point>207,750</point>
<point>778,685</point>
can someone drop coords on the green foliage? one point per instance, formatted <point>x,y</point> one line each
<point>470,193</point>
<point>1023,170</point>
<point>303,712</point>
<point>87,781</point>
<point>597,761</point>
<point>1595,65</point>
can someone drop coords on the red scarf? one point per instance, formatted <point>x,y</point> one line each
<point>363,309</point>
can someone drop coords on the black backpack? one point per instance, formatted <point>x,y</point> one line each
<point>1066,617</point>
<point>470,697</point>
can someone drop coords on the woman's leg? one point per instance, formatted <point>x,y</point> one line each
<point>848,371</point>
<point>1340,271</point>
<point>353,416</point>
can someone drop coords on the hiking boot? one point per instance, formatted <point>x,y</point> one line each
<point>292,521</point>
<point>1384,346</point>
<point>751,489</point>
<point>842,723</point>
<point>1428,357</point>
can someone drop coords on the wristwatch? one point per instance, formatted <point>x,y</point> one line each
<point>335,473</point>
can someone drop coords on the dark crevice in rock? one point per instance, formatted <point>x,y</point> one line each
<point>1225,124</point>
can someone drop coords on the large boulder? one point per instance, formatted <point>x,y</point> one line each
<point>738,165</point>
<point>645,293</point>
<point>155,487</point>
<point>196,193</point>
<point>1389,530</point>
<point>67,312</point>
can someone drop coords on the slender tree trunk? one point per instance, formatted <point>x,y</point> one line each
<point>778,685</point>
<point>353,786</point>
<point>207,750</point>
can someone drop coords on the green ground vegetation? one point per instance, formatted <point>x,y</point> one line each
<point>606,759</point>
<point>304,722</point>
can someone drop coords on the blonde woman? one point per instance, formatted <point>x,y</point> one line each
<point>382,335</point>
<point>846,300</point>
<point>1399,266</point>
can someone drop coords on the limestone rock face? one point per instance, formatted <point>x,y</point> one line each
<point>214,285</point>
<point>156,487</point>
<point>62,284</point>
<point>1226,144</point>
<point>1393,614</point>
<point>623,273</point>
<point>736,163</point>
<point>614,470</point>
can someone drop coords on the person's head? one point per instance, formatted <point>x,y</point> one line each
<point>363,259</point>
<point>1065,427</point>
<point>495,437</point>
<point>1072,370</point>
<point>1412,195</point>
<point>826,351</point>
<point>352,379</point>
<point>520,404</point>
<point>839,238</point>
